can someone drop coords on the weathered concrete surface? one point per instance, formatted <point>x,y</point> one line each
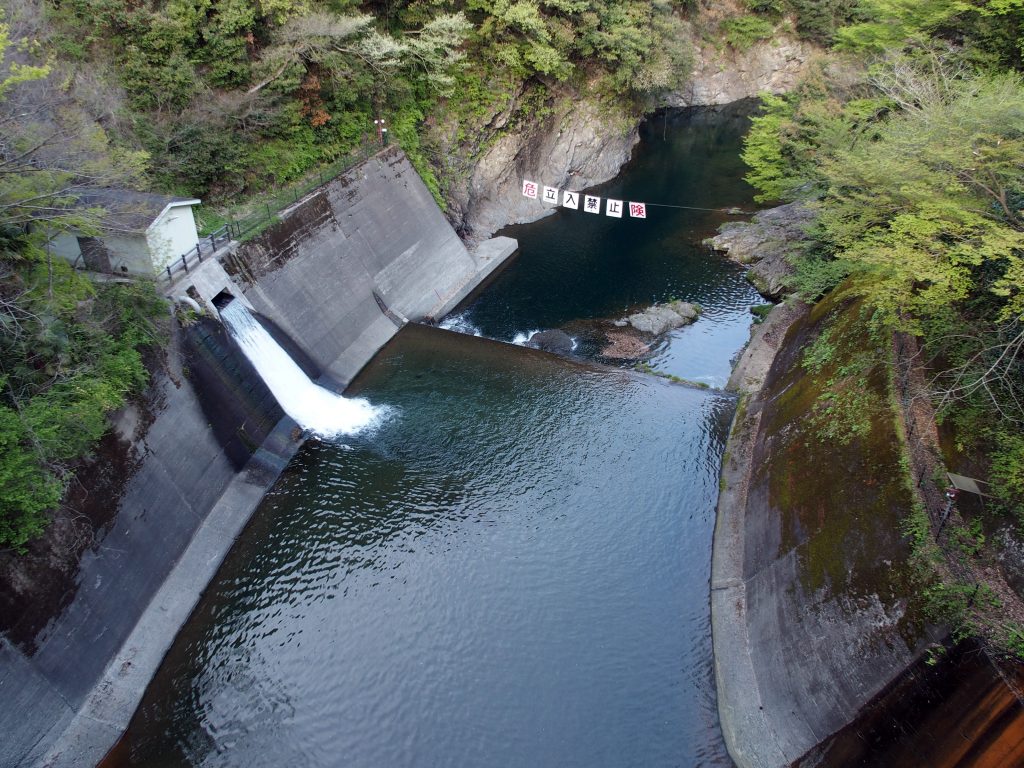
<point>106,712</point>
<point>373,233</point>
<point>748,734</point>
<point>810,616</point>
<point>751,369</point>
<point>183,466</point>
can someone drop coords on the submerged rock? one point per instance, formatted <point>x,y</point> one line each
<point>662,318</point>
<point>764,243</point>
<point>554,340</point>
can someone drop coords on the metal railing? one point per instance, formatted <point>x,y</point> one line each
<point>208,246</point>
<point>246,227</point>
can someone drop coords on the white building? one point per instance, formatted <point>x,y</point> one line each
<point>141,233</point>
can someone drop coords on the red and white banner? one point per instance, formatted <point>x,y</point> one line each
<point>590,203</point>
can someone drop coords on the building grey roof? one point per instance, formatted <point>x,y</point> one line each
<point>128,210</point>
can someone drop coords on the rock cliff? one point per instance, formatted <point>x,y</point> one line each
<point>577,146</point>
<point>723,75</point>
<point>581,144</point>
<point>764,243</point>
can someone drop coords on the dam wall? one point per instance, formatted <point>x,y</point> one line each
<point>349,264</point>
<point>334,279</point>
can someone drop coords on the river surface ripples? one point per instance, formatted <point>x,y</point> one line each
<point>512,569</point>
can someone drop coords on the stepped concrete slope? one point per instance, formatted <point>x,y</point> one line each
<point>337,276</point>
<point>346,266</point>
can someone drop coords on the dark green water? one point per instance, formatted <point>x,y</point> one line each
<point>576,266</point>
<point>514,569</point>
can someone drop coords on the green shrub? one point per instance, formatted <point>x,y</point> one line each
<point>742,32</point>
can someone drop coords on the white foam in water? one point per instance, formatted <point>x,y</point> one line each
<point>313,407</point>
<point>521,338</point>
<point>459,323</point>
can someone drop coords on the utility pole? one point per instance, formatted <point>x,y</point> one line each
<point>382,131</point>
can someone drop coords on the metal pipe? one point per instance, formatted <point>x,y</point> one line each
<point>188,300</point>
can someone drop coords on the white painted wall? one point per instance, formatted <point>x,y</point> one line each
<point>65,245</point>
<point>129,251</point>
<point>171,235</point>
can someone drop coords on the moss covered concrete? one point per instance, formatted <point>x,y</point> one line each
<point>812,605</point>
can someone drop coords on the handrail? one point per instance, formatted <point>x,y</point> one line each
<point>253,224</point>
<point>195,254</point>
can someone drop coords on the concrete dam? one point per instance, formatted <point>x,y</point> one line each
<point>334,280</point>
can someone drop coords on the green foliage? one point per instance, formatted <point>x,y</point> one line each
<point>820,353</point>
<point>29,491</point>
<point>764,6</point>
<point>818,20</point>
<point>70,352</point>
<point>14,73</point>
<point>922,211</point>
<point>742,32</point>
<point>1007,473</point>
<point>993,26</point>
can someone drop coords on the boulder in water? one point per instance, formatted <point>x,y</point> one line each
<point>554,340</point>
<point>662,318</point>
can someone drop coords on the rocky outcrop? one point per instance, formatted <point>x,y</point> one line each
<point>723,75</point>
<point>581,144</point>
<point>764,243</point>
<point>624,344</point>
<point>662,318</point>
<point>555,341</point>
<point>578,146</point>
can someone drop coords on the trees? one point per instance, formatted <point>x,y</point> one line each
<point>917,172</point>
<point>922,208</point>
<point>69,351</point>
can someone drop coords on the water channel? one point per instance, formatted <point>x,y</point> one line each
<point>512,569</point>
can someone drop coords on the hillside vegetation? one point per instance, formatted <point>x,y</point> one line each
<point>911,150</point>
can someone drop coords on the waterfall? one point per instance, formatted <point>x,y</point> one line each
<point>313,407</point>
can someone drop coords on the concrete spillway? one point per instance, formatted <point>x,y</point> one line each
<point>314,408</point>
<point>209,440</point>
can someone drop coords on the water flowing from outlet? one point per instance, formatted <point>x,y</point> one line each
<point>313,407</point>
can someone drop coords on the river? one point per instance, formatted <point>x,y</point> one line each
<point>513,569</point>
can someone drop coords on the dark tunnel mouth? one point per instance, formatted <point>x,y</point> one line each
<point>222,299</point>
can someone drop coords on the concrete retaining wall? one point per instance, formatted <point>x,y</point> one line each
<point>201,423</point>
<point>810,591</point>
<point>371,241</point>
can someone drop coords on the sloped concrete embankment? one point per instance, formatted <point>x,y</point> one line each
<point>347,265</point>
<point>809,581</point>
<point>337,276</point>
<point>204,444</point>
